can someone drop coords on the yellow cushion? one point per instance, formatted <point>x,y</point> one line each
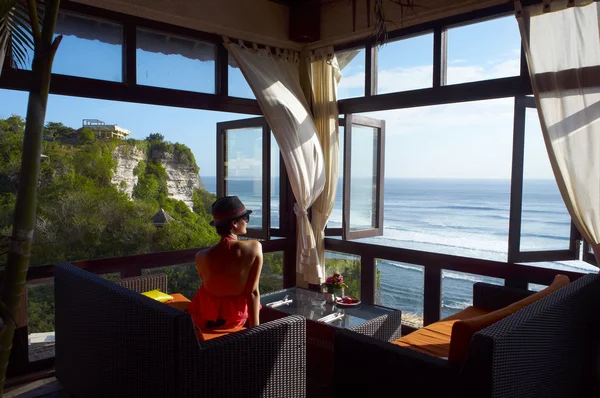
<point>463,330</point>
<point>435,338</point>
<point>158,295</point>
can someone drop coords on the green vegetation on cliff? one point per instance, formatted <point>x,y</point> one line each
<point>82,215</point>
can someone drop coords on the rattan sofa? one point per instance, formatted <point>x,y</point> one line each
<point>114,342</point>
<point>547,349</point>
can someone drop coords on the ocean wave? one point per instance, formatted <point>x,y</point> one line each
<point>544,236</point>
<point>472,242</point>
<point>463,277</point>
<point>446,274</point>
<point>543,211</point>
<point>401,265</point>
<point>461,305</point>
<point>465,207</point>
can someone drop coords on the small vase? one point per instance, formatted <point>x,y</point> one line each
<point>329,297</point>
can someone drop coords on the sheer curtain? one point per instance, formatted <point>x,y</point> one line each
<point>325,77</point>
<point>274,79</point>
<point>562,44</point>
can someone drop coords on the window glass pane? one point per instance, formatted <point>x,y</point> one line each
<point>348,266</point>
<point>168,61</point>
<point>535,288</point>
<point>275,158</point>
<point>238,86</point>
<point>352,64</point>
<point>363,185</point>
<point>457,290</point>
<point>405,64</point>
<point>271,277</point>
<point>484,50</point>
<point>40,322</point>
<point>165,163</point>
<point>400,285</point>
<point>545,221</point>
<point>90,48</point>
<point>447,178</point>
<point>243,169</point>
<point>181,278</point>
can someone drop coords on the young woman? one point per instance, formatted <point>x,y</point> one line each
<point>229,271</point>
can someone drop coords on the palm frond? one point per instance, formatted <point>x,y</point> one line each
<point>16,38</point>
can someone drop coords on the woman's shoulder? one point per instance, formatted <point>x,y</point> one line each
<point>251,245</point>
<point>202,253</point>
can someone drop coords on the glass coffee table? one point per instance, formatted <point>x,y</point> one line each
<point>376,321</point>
<point>322,322</point>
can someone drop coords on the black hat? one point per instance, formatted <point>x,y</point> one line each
<point>228,208</point>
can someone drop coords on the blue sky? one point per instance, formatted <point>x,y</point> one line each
<point>467,140</point>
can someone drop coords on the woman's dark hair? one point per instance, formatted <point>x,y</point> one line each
<point>224,228</point>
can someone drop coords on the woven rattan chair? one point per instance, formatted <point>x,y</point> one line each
<point>547,349</point>
<point>114,342</point>
<point>145,283</point>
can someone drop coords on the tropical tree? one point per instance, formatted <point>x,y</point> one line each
<point>21,25</point>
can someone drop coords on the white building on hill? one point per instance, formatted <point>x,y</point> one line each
<point>103,130</point>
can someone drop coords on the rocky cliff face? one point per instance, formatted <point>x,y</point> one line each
<point>126,158</point>
<point>181,178</point>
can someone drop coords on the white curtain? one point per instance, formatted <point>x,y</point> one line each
<point>324,77</point>
<point>274,78</point>
<point>562,44</point>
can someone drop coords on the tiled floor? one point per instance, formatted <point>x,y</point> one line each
<point>45,388</point>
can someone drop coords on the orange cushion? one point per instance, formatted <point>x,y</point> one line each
<point>463,330</point>
<point>179,301</point>
<point>435,338</point>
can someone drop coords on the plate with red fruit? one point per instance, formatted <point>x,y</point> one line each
<point>347,301</point>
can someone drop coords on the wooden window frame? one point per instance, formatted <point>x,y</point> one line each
<point>379,163</point>
<point>515,254</point>
<point>260,122</point>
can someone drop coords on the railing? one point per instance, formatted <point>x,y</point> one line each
<point>433,264</point>
<point>128,266</point>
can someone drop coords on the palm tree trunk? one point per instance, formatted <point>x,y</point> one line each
<point>13,284</point>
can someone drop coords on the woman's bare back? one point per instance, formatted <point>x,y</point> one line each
<point>225,269</point>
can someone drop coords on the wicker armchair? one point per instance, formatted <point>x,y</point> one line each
<point>145,283</point>
<point>113,342</point>
<point>547,349</point>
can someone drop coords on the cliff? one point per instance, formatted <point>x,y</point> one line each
<point>181,176</point>
<point>126,158</point>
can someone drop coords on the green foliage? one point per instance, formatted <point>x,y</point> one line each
<point>11,142</point>
<point>96,162</point>
<point>140,169</point>
<point>87,137</point>
<point>54,130</point>
<point>147,188</point>
<point>271,278</point>
<point>349,269</point>
<point>81,215</point>
<point>155,137</point>
<point>203,201</point>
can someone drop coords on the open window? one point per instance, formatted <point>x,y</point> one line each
<point>363,177</point>
<point>244,169</point>
<point>540,225</point>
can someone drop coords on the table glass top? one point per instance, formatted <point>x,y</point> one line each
<point>302,303</point>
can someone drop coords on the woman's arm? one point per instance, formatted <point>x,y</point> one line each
<point>252,286</point>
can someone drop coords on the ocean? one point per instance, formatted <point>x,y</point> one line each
<point>467,218</point>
